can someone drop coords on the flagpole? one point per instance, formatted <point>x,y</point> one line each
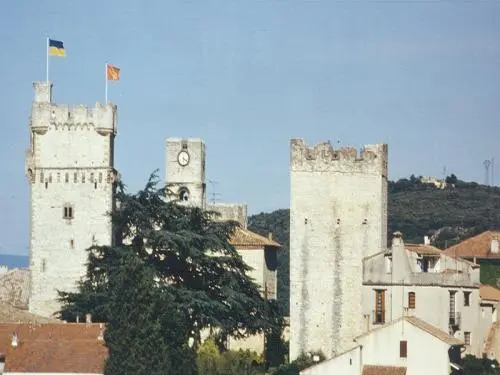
<point>106,80</point>
<point>47,53</point>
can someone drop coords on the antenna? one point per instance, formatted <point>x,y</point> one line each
<point>486,164</point>
<point>493,171</point>
<point>214,193</point>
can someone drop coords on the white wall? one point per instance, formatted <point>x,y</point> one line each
<point>332,193</point>
<point>64,142</point>
<point>425,353</point>
<point>348,363</point>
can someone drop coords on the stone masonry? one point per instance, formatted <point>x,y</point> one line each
<point>338,215</point>
<point>69,166</point>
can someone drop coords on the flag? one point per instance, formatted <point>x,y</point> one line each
<point>113,73</point>
<point>56,48</point>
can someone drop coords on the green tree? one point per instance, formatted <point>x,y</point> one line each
<point>134,334</point>
<point>187,249</point>
<point>480,366</point>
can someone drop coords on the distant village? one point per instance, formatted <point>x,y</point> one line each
<point>369,309</point>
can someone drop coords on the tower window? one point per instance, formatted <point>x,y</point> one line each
<point>66,177</point>
<point>75,177</point>
<point>72,244</point>
<point>58,177</point>
<point>41,177</point>
<point>44,265</point>
<point>184,194</point>
<point>68,211</point>
<point>100,177</point>
<point>83,177</point>
<point>92,177</point>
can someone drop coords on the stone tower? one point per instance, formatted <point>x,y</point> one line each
<point>185,170</point>
<point>338,215</point>
<point>69,166</point>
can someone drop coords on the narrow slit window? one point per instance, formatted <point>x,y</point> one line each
<point>66,178</point>
<point>68,211</point>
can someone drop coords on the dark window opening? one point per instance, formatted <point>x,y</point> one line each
<point>68,212</point>
<point>66,178</point>
<point>466,298</point>
<point>403,349</point>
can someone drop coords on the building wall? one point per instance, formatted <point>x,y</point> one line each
<point>348,363</point>
<point>190,176</point>
<point>425,353</point>
<point>69,162</point>
<point>338,214</point>
<point>230,211</point>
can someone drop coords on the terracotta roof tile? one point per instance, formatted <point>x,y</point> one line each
<point>70,348</point>
<point>489,292</point>
<point>383,370</point>
<point>423,249</point>
<point>244,238</point>
<point>434,331</point>
<point>477,246</point>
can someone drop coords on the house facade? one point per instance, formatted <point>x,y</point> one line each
<point>406,346</point>
<point>422,281</point>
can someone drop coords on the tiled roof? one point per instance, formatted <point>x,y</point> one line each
<point>477,246</point>
<point>383,370</point>
<point>423,249</point>
<point>489,292</point>
<point>244,238</point>
<point>69,348</point>
<point>434,331</point>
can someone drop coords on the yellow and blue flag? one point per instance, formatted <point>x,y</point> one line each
<point>56,48</point>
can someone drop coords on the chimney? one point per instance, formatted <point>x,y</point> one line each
<point>88,318</point>
<point>427,240</point>
<point>15,341</point>
<point>494,246</point>
<point>270,236</point>
<point>397,238</point>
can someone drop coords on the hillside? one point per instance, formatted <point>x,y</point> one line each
<point>461,210</point>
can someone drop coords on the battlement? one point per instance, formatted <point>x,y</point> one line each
<point>371,159</point>
<point>45,114</point>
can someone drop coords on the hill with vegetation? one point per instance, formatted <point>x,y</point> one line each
<point>447,215</point>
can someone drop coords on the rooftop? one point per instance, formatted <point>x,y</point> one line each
<point>489,292</point>
<point>245,238</point>
<point>423,249</point>
<point>475,247</point>
<point>69,348</point>
<point>383,370</point>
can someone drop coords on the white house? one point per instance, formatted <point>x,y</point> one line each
<point>421,281</point>
<point>406,346</point>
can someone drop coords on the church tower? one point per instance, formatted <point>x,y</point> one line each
<point>185,170</point>
<point>69,166</point>
<point>338,216</point>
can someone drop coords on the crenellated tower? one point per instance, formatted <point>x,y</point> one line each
<point>338,215</point>
<point>70,169</point>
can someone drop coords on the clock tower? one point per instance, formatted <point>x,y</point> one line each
<point>185,170</point>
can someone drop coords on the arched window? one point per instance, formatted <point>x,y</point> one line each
<point>411,300</point>
<point>183,194</point>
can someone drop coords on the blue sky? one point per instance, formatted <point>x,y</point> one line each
<point>246,76</point>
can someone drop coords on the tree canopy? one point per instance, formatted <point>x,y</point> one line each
<point>173,258</point>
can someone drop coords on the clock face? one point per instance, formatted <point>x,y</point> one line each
<point>183,158</point>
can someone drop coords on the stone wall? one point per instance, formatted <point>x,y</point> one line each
<point>69,165</point>
<point>230,211</point>
<point>14,287</point>
<point>338,215</point>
